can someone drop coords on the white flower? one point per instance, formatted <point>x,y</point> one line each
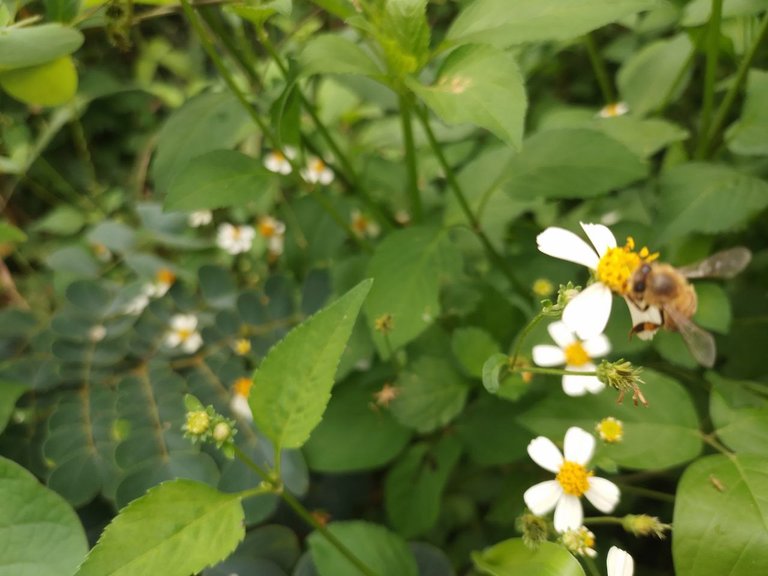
<point>183,332</point>
<point>273,231</point>
<point>362,225</point>
<point>164,279</point>
<point>136,305</point>
<point>613,110</point>
<point>317,171</point>
<point>619,562</point>
<point>235,239</point>
<point>587,314</point>
<point>200,218</point>
<point>572,480</point>
<point>239,402</point>
<point>278,160</point>
<point>576,355</point>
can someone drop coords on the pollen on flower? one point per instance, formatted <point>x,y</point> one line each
<point>574,478</point>
<point>242,386</point>
<point>617,265</point>
<point>575,355</point>
<point>610,430</point>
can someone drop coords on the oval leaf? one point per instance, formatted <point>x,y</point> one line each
<point>33,45</point>
<point>333,54</point>
<point>512,558</point>
<point>49,84</point>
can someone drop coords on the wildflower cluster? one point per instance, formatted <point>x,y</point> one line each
<point>205,425</point>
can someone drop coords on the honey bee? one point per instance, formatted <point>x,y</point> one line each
<point>660,295</point>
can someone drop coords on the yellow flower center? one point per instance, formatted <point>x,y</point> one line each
<point>317,166</point>
<point>236,232</point>
<point>184,333</point>
<point>543,287</point>
<point>359,223</point>
<point>575,355</point>
<point>278,156</point>
<point>242,346</point>
<point>267,227</point>
<point>617,265</point>
<point>242,386</point>
<point>198,422</point>
<point>574,478</point>
<point>165,276</point>
<point>610,430</point>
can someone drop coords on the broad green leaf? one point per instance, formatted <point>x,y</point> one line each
<point>414,486</point>
<point>33,45</point>
<point>40,534</point>
<point>706,198</point>
<point>9,233</point>
<point>207,122</point>
<point>270,550</point>
<point>217,286</point>
<point>407,266</point>
<point>472,347</point>
<point>714,307</point>
<point>721,517</point>
<point>697,12</point>
<point>376,441</point>
<point>10,392</point>
<point>492,368</point>
<point>479,85</point>
<point>334,54</point>
<point>499,23</point>
<point>431,394</point>
<point>646,79</point>
<point>61,10</point>
<point>113,235</point>
<point>747,135</point>
<point>292,386</point>
<point>176,529</point>
<point>90,296</point>
<point>403,32</point>
<point>63,220</point>
<point>73,260</point>
<point>489,431</point>
<point>379,549</point>
<point>513,558</point>
<point>431,560</point>
<point>218,179</point>
<point>645,137</point>
<point>258,13</point>
<point>573,163</point>
<point>739,414</point>
<point>666,434</point>
<point>49,84</point>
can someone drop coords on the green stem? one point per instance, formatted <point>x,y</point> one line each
<point>522,336</point>
<point>604,520</point>
<point>710,440</point>
<point>591,566</point>
<point>601,72</point>
<point>550,371</point>
<point>245,459</point>
<point>710,74</point>
<point>648,493</point>
<point>412,184</point>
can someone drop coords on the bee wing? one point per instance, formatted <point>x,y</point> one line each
<point>700,342</point>
<point>725,264</point>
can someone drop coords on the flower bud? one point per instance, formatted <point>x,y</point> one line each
<point>644,525</point>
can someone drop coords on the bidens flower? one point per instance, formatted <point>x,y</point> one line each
<point>572,480</point>
<point>235,239</point>
<point>316,171</point>
<point>277,161</point>
<point>610,429</point>
<point>576,355</point>
<point>164,279</point>
<point>580,541</point>
<point>273,231</point>
<point>619,562</point>
<point>587,314</point>
<point>362,225</point>
<point>200,218</point>
<point>239,402</point>
<point>613,110</point>
<point>183,332</point>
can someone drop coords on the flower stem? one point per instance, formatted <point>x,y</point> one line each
<point>648,493</point>
<point>551,371</point>
<point>604,520</point>
<point>412,185</point>
<point>522,336</point>
<point>710,73</point>
<point>601,72</point>
<point>591,566</point>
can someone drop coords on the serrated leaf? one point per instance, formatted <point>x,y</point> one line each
<point>747,135</point>
<point>176,529</point>
<point>218,179</point>
<point>49,84</point>
<point>479,85</point>
<point>708,198</point>
<point>645,137</point>
<point>292,386</point>
<point>721,517</point>
<point>21,47</point>
<point>334,54</point>
<point>512,558</point>
<point>403,33</point>
<point>739,414</point>
<point>36,519</point>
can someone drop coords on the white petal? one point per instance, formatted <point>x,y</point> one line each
<point>542,497</point>
<point>597,346</point>
<point>568,513</point>
<point>579,445</point>
<point>544,452</point>
<point>600,236</point>
<point>564,244</point>
<point>184,322</point>
<point>575,385</point>
<point>561,334</point>
<point>594,386</point>
<point>239,405</point>
<point>193,343</point>
<point>588,313</point>
<point>548,355</point>
<point>603,494</point>
<point>619,562</point>
<point>172,340</point>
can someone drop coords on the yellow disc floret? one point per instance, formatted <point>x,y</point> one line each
<point>574,478</point>
<point>617,265</point>
<point>242,386</point>
<point>198,422</point>
<point>610,430</point>
<point>575,355</point>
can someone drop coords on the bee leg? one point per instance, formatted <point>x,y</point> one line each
<point>644,330</point>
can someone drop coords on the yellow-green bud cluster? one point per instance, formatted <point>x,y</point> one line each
<point>644,525</point>
<point>535,530</point>
<point>205,425</point>
<point>565,293</point>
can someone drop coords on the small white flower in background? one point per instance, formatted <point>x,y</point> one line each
<point>273,231</point>
<point>576,355</point>
<point>277,161</point>
<point>183,332</point>
<point>362,225</point>
<point>235,239</point>
<point>572,480</point>
<point>587,314</point>
<point>610,430</point>
<point>242,346</point>
<point>97,333</point>
<point>239,402</point>
<point>613,110</point>
<point>580,541</point>
<point>200,218</point>
<point>164,279</point>
<point>136,305</point>
<point>316,171</point>
<point>619,562</point>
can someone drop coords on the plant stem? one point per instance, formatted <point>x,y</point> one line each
<point>710,73</point>
<point>412,184</point>
<point>648,493</point>
<point>601,72</point>
<point>604,520</point>
<point>522,336</point>
<point>591,566</point>
<point>551,371</point>
<point>710,440</point>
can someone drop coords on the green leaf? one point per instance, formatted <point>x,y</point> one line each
<point>10,392</point>
<point>40,534</point>
<point>512,558</point>
<point>403,32</point>
<point>697,12</point>
<point>49,84</point>
<point>176,529</point>
<point>492,370</point>
<point>747,135</point>
<point>9,233</point>
<point>472,347</point>
<point>89,296</point>
<point>645,137</point>
<point>493,22</point>
<point>292,386</point>
<point>218,179</point>
<point>414,485</point>
<point>665,435</point>
<point>334,54</point>
<point>647,77</point>
<point>479,85</point>
<point>61,10</point>
<point>376,441</point>
<point>73,260</point>
<point>739,414</point>
<point>706,198</point>
<point>714,307</point>
<point>431,395</point>
<point>113,235</point>
<point>263,11</point>
<point>33,45</point>
<point>490,433</point>
<point>270,550</point>
<point>721,517</point>
<point>572,163</point>
<point>379,549</point>
<point>407,267</point>
<point>63,220</point>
